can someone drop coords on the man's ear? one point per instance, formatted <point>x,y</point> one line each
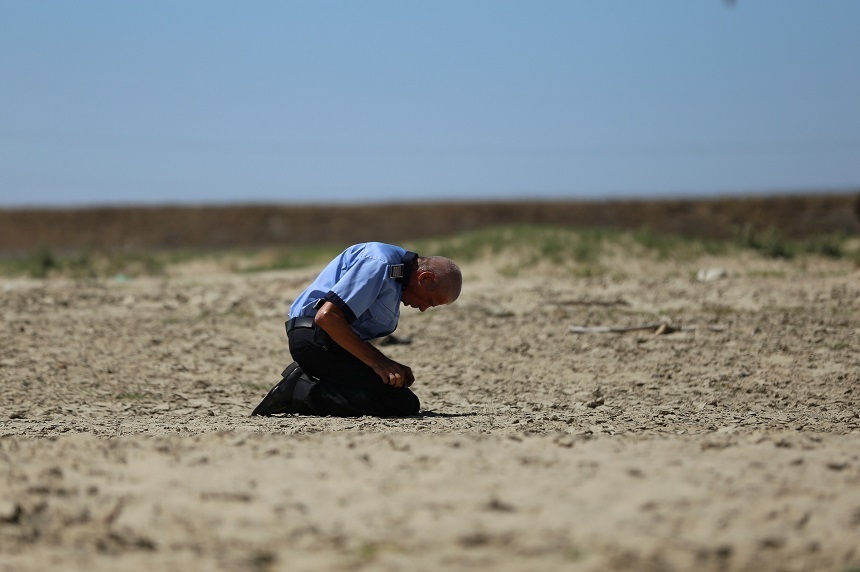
<point>426,276</point>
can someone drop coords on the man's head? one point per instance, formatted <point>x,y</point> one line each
<point>434,281</point>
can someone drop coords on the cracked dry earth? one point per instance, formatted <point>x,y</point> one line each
<point>734,444</point>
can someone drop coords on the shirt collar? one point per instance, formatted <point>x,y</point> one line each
<point>408,262</point>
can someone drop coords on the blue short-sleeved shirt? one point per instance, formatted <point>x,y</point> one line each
<point>366,284</point>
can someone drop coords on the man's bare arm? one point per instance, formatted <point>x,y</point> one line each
<point>331,319</point>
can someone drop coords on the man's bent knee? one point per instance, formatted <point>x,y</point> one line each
<point>406,403</point>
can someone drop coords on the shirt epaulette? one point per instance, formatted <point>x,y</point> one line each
<point>396,270</point>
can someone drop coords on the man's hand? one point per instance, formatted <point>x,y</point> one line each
<point>393,373</point>
<point>331,319</point>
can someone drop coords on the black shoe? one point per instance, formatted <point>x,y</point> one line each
<point>279,398</point>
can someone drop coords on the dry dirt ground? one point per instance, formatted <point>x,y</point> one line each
<point>126,442</point>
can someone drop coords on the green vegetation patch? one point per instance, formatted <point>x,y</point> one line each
<point>550,243</point>
<point>770,243</point>
<point>524,246</point>
<point>667,246</point>
<point>580,252</point>
<point>43,263</point>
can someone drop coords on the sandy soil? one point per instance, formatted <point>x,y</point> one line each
<point>126,442</point>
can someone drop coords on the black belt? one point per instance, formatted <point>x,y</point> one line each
<point>300,322</point>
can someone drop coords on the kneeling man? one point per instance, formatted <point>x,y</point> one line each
<point>356,299</point>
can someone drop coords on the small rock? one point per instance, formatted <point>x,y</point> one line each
<point>10,512</point>
<point>595,403</point>
<point>772,542</point>
<point>566,441</point>
<point>711,274</point>
<point>499,505</point>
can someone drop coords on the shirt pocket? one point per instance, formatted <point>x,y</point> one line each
<point>382,320</point>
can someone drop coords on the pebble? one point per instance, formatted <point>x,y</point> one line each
<point>711,274</point>
<point>10,512</point>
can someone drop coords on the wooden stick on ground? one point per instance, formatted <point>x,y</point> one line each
<point>658,328</point>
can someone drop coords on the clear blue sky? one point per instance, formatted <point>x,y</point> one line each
<point>313,102</point>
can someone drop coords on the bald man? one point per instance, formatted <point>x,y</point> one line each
<point>354,300</point>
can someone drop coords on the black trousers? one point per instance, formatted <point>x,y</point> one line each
<point>343,385</point>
